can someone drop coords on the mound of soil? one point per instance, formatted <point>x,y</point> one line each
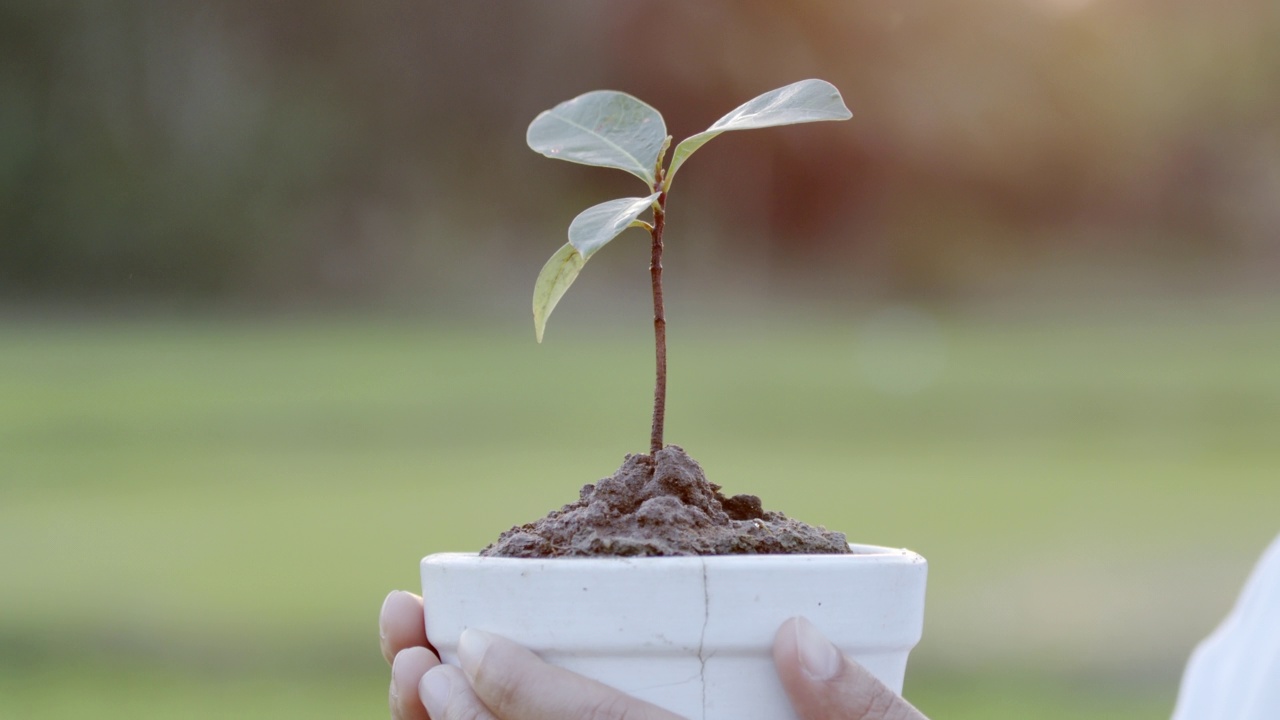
<point>663,505</point>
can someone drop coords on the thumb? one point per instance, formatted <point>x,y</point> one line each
<point>824,684</point>
<point>516,685</point>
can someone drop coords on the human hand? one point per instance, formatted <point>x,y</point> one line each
<point>825,684</point>
<point>499,680</point>
<point>403,636</point>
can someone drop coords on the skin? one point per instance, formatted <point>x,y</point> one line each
<point>500,680</point>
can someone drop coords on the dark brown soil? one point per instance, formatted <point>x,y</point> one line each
<point>663,505</point>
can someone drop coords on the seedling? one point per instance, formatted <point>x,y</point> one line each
<point>614,129</point>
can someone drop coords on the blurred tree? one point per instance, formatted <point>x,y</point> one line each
<point>308,150</point>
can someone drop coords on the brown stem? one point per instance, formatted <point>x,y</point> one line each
<point>659,326</point>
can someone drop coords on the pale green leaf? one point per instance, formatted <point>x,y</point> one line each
<point>590,231</point>
<point>556,277</point>
<point>605,128</point>
<point>598,224</point>
<point>801,102</point>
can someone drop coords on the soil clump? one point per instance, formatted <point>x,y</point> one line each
<point>663,505</point>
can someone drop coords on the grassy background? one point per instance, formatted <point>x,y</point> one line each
<point>200,519</point>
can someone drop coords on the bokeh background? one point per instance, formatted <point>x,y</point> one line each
<point>265,340</point>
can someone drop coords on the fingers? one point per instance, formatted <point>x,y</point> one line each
<point>404,644</point>
<point>823,683</point>
<point>400,624</point>
<point>448,696</point>
<point>407,670</point>
<point>515,684</point>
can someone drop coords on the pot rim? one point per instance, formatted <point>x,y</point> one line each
<point>859,552</point>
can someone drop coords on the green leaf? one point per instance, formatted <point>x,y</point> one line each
<point>598,224</point>
<point>605,128</point>
<point>801,102</point>
<point>590,231</point>
<point>556,277</point>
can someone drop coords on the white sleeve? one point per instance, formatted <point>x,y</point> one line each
<point>1235,673</point>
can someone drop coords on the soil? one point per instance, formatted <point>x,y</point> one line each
<point>663,505</point>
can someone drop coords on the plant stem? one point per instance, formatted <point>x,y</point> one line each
<point>659,326</point>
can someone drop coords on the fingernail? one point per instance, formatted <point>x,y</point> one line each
<point>819,658</point>
<point>382,614</point>
<point>472,645</point>
<point>435,689</point>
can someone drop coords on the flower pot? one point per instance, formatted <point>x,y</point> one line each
<point>693,635</point>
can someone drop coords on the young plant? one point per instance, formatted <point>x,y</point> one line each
<point>613,129</point>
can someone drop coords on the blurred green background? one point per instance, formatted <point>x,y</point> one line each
<point>264,333</point>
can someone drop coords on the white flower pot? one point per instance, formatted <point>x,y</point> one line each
<point>691,634</point>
